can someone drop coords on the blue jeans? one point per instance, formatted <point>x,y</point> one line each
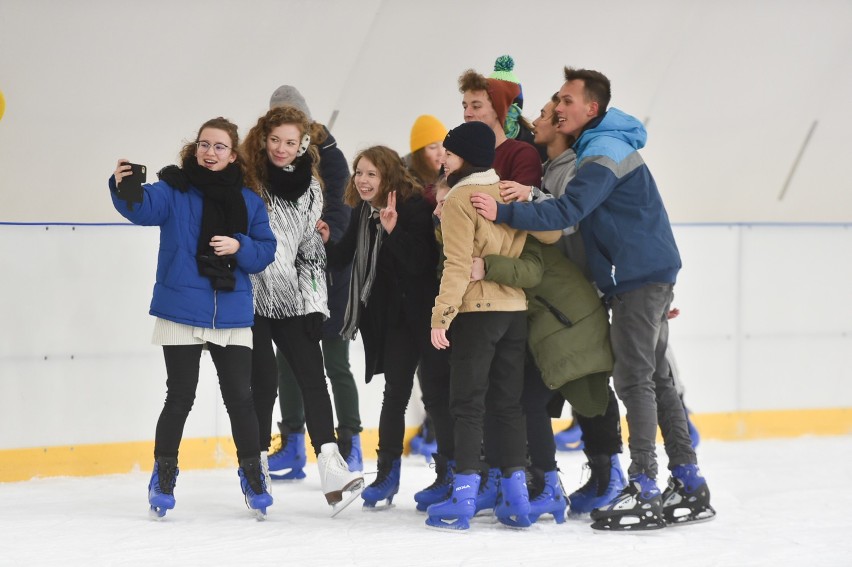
<point>640,335</point>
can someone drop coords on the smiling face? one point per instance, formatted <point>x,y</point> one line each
<point>545,130</point>
<point>452,162</point>
<point>282,144</point>
<point>574,110</point>
<point>211,158</point>
<point>367,179</point>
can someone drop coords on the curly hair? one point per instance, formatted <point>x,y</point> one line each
<point>253,148</point>
<point>190,149</point>
<point>470,80</point>
<point>395,177</point>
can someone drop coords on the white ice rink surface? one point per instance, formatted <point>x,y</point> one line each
<point>780,502</point>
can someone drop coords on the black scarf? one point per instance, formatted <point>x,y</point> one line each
<point>290,185</point>
<point>363,268</point>
<point>223,214</point>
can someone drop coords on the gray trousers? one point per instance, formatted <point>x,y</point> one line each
<point>640,334</point>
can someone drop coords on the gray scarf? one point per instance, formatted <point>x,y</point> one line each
<point>363,275</point>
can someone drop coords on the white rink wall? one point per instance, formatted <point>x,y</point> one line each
<point>759,330</point>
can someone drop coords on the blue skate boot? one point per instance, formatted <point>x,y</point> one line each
<point>253,485</point>
<point>686,499</point>
<point>455,512</point>
<point>694,436</point>
<point>570,439</point>
<point>439,490</point>
<point>386,485</point>
<point>489,486</point>
<point>424,443</point>
<point>349,444</point>
<point>551,499</point>
<point>161,487</point>
<point>288,462</point>
<point>606,480</point>
<point>513,501</point>
<point>638,507</point>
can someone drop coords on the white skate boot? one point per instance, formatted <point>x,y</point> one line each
<point>336,478</point>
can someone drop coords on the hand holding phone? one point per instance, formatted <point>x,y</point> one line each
<point>129,179</point>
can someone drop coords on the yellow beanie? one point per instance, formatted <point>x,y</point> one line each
<point>426,130</point>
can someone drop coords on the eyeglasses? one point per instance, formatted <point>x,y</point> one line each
<point>219,149</point>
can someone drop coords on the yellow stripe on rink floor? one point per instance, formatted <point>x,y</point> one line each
<point>204,453</point>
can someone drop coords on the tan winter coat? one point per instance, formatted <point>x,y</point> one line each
<point>466,234</point>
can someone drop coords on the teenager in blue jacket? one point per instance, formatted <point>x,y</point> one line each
<point>214,232</point>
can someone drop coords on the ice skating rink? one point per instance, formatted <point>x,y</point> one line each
<point>779,502</point>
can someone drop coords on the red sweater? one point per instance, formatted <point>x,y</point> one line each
<point>518,161</point>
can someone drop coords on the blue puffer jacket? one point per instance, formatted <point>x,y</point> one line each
<point>624,224</point>
<point>181,294</point>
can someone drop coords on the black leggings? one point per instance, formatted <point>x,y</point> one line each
<point>233,365</point>
<point>305,358</point>
<point>602,434</point>
<point>408,345</point>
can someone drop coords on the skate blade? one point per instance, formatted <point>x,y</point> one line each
<point>260,514</point>
<point>157,514</point>
<point>340,506</point>
<point>453,524</point>
<point>628,524</point>
<point>515,522</point>
<point>688,519</point>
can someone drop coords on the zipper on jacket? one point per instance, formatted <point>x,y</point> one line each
<point>612,275</point>
<point>215,306</point>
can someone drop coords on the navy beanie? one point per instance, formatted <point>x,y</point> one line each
<point>473,142</point>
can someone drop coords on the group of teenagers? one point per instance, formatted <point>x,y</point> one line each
<point>509,266</point>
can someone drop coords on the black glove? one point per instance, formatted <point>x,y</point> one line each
<point>313,326</point>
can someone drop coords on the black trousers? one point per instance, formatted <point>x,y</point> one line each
<point>487,376</point>
<point>602,434</point>
<point>305,358</point>
<point>540,442</point>
<point>407,346</point>
<point>233,365</point>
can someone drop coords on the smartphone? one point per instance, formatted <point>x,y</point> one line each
<point>130,187</point>
<point>138,175</point>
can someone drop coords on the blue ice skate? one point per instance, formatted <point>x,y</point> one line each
<point>455,512</point>
<point>606,480</point>
<point>161,487</point>
<point>638,507</point>
<point>253,485</point>
<point>489,486</point>
<point>439,490</point>
<point>513,502</point>
<point>551,500</point>
<point>386,485</point>
<point>570,439</point>
<point>355,459</point>
<point>686,499</point>
<point>424,443</point>
<point>288,463</point>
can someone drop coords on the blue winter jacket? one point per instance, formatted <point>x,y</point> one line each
<point>181,294</point>
<point>625,227</point>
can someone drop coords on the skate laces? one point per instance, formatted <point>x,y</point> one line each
<point>166,478</point>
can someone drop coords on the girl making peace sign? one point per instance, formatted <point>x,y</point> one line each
<point>393,288</point>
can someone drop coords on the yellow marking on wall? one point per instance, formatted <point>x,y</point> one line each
<point>206,453</point>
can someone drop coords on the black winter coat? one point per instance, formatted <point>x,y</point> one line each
<point>406,283</point>
<point>335,174</point>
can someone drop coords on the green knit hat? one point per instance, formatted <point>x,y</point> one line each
<point>503,69</point>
